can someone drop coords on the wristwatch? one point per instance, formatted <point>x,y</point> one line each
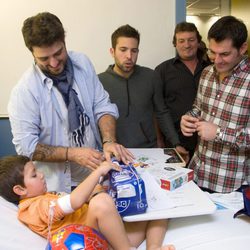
<point>219,134</point>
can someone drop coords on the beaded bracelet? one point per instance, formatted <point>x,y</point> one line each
<point>108,141</point>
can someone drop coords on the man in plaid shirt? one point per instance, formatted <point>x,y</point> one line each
<point>221,160</point>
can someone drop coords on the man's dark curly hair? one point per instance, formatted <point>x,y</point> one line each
<point>42,30</point>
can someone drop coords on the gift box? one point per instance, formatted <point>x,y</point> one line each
<point>171,177</point>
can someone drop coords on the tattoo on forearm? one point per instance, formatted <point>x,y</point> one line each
<point>43,153</point>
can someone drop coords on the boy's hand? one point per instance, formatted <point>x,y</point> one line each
<point>106,166</point>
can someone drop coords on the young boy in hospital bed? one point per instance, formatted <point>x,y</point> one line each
<point>21,183</point>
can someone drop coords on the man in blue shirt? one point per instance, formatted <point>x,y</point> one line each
<point>60,114</point>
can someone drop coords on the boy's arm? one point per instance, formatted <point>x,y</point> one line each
<point>82,193</point>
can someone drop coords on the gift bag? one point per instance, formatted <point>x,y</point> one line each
<point>127,190</point>
<point>246,199</point>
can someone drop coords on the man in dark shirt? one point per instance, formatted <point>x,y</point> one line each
<point>137,91</point>
<point>181,75</point>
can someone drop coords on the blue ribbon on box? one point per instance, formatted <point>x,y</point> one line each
<point>127,189</point>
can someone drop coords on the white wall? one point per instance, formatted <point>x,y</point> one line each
<point>89,24</point>
<point>203,24</point>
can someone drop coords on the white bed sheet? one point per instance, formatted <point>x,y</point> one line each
<point>209,232</point>
<point>204,232</point>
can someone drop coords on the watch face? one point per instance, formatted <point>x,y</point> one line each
<point>218,134</point>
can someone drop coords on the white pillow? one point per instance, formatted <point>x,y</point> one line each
<point>15,235</point>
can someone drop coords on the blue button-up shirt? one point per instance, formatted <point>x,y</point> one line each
<point>37,115</point>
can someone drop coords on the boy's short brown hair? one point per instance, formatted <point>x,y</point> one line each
<point>11,174</point>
